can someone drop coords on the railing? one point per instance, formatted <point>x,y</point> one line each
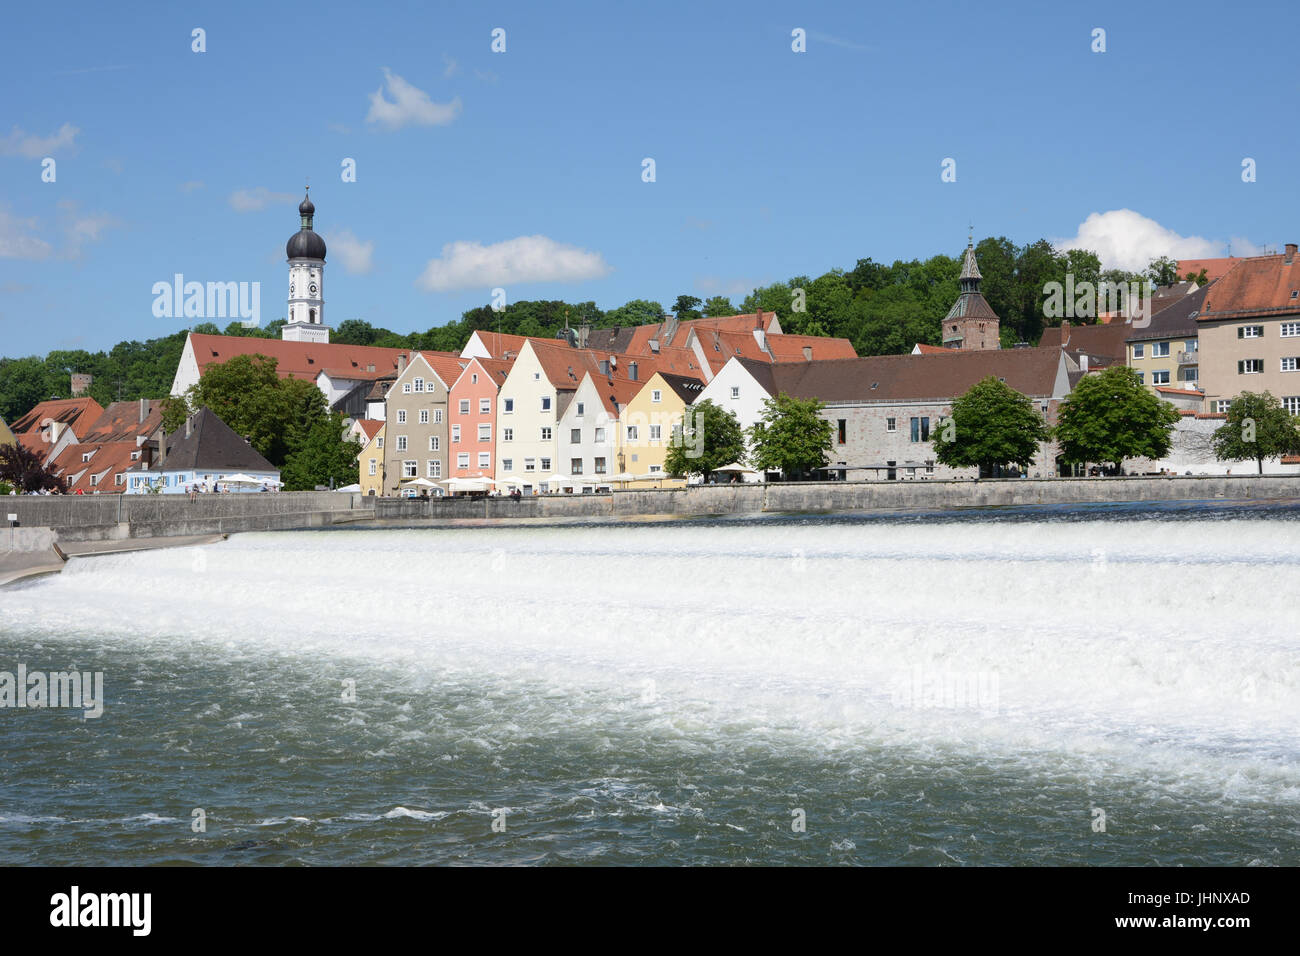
<point>1189,358</point>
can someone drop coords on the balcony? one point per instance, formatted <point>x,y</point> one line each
<point>1189,358</point>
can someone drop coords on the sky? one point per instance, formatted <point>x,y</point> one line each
<point>524,168</point>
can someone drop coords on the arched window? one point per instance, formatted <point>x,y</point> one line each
<point>311,313</point>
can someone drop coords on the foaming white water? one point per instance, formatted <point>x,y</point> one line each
<point>1165,651</point>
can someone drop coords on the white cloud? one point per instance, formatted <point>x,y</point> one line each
<point>81,228</point>
<point>16,241</point>
<point>193,184</point>
<point>255,200</point>
<point>355,254</point>
<point>409,106</point>
<point>19,143</point>
<point>451,66</point>
<point>465,264</point>
<point>1124,239</point>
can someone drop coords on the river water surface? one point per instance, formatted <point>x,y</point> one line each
<point>1105,685</point>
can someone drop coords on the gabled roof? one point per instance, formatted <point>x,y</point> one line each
<point>121,421</point>
<point>495,369</point>
<point>911,378</point>
<point>564,366</point>
<point>211,444</point>
<point>369,427</point>
<point>1214,268</point>
<point>790,348</point>
<point>107,459</point>
<point>303,360</point>
<point>1168,295</point>
<point>687,389</point>
<point>1104,342</point>
<point>6,436</point>
<point>504,345</point>
<point>1262,286</point>
<point>1176,321</point>
<point>922,349</point>
<point>77,413</point>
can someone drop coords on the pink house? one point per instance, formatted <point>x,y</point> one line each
<point>471,414</point>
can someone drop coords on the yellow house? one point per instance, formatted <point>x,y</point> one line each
<point>6,436</point>
<point>646,428</point>
<point>371,464</point>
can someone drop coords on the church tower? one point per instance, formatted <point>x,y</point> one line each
<point>306,252</point>
<point>971,323</point>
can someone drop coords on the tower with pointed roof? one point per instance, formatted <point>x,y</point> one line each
<point>971,323</point>
<point>306,253</point>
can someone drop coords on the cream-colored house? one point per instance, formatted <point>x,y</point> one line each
<point>647,425</point>
<point>532,400</point>
<point>371,463</point>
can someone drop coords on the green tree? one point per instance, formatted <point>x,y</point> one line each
<point>718,305</point>
<point>635,312</point>
<point>1162,271</point>
<point>1200,278</point>
<point>1111,416</point>
<point>1257,427</point>
<point>322,457</point>
<point>685,307</point>
<point>709,438</point>
<point>791,436</point>
<point>990,426</point>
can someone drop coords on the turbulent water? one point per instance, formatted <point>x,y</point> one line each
<point>1054,686</point>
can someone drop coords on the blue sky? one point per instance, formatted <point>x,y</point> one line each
<point>768,163</point>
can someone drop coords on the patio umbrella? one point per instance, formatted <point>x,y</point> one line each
<point>736,468</point>
<point>241,479</point>
<point>422,482</point>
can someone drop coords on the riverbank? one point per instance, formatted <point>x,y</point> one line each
<point>20,565</point>
<point>117,518</point>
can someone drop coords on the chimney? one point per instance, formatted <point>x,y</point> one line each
<point>758,319</point>
<point>1083,362</point>
<point>401,363</point>
<point>144,409</point>
<point>188,425</point>
<point>631,371</point>
<point>1290,252</point>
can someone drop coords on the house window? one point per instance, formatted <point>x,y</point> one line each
<point>1160,378</point>
<point>509,406</point>
<point>655,432</point>
<point>401,416</point>
<point>1222,405</point>
<point>507,463</point>
<point>437,416</point>
<point>735,391</point>
<point>408,468</point>
<point>94,479</point>
<point>920,429</point>
<point>599,466</point>
<point>843,426</point>
<point>1188,374</point>
<point>462,460</point>
<point>546,464</point>
<point>473,378</point>
<point>434,467</point>
<point>1250,366</point>
<point>1290,364</point>
<point>537,376</point>
<point>655,469</point>
<point>575,466</point>
<point>1190,345</point>
<point>1292,404</point>
<point>546,433</point>
<point>546,403</point>
<point>575,436</point>
<point>507,434</point>
<point>455,434</point>
<point>464,406</point>
<point>530,464</point>
<point>135,456</point>
<point>891,424</point>
<point>406,388</point>
<point>418,385</point>
<point>1159,349</point>
<point>631,433</point>
<point>401,443</point>
<point>485,431</point>
<point>374,467</point>
<point>424,416</point>
<point>379,442</point>
<point>1138,351</point>
<point>119,479</point>
<point>1249,331</point>
<point>86,457</point>
<point>485,459</point>
<point>1290,329</point>
<point>600,435</point>
<point>435,443</point>
<point>485,406</point>
<point>580,406</point>
<point>656,395</point>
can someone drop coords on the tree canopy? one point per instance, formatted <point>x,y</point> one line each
<point>991,425</point>
<point>710,438</point>
<point>791,436</point>
<point>1257,428</point>
<point>1110,416</point>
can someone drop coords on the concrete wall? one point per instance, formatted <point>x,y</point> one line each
<point>113,517</point>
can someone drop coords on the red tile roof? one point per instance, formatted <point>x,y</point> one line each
<point>1261,286</point>
<point>108,459</point>
<point>1214,268</point>
<point>303,360</point>
<point>370,427</point>
<point>789,348</point>
<point>1104,342</point>
<point>77,413</point>
<point>923,349</point>
<point>121,422</point>
<point>1179,391</point>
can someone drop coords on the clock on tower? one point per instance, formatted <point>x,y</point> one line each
<point>306,253</point>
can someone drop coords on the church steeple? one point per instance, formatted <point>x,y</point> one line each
<point>305,251</point>
<point>971,323</point>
